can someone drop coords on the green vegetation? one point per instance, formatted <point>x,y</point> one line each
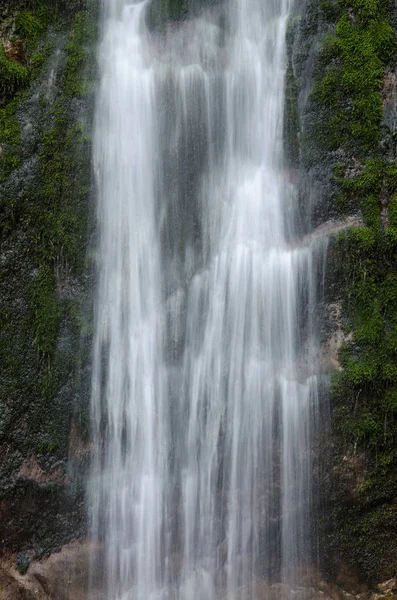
<point>9,126</point>
<point>343,140</point>
<point>350,75</point>
<point>364,396</point>
<point>16,72</point>
<point>347,94</point>
<point>366,536</point>
<point>80,56</point>
<point>28,53</point>
<point>30,26</point>
<point>46,311</point>
<point>10,137</point>
<point>13,75</point>
<point>44,228</point>
<point>60,217</point>
<point>368,272</point>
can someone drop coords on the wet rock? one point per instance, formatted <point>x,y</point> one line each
<point>12,587</point>
<point>61,576</point>
<point>387,586</point>
<point>41,491</point>
<point>30,469</point>
<point>15,51</point>
<point>336,336</point>
<point>22,563</point>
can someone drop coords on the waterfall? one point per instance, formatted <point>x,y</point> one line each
<point>204,392</point>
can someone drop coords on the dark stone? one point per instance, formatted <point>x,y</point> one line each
<point>44,392</point>
<point>22,563</point>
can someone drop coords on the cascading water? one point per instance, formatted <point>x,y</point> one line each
<point>203,394</point>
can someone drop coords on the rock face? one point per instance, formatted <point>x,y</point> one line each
<point>65,576</point>
<point>340,119</point>
<point>45,115</point>
<point>341,133</point>
<point>62,576</point>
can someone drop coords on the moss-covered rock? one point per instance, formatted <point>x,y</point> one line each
<point>45,137</point>
<point>345,50</point>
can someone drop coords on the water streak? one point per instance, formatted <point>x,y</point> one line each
<point>202,401</point>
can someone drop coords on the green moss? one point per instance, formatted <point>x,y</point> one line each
<point>47,382</point>
<point>47,446</point>
<point>364,393</point>
<point>370,208</point>
<point>356,243</point>
<point>9,126</point>
<point>371,303</point>
<point>38,60</point>
<point>55,217</point>
<point>368,9</point>
<point>329,9</point>
<point>349,77</point>
<point>43,230</point>
<point>364,310</point>
<point>366,428</point>
<point>391,401</point>
<point>30,26</point>
<point>391,173</point>
<point>369,180</point>
<point>46,312</point>
<point>10,137</point>
<point>80,59</point>
<point>391,230</point>
<point>61,221</point>
<point>13,75</point>
<point>392,211</point>
<point>391,238</point>
<point>367,538</point>
<point>9,162</point>
<point>359,372</point>
<point>343,138</point>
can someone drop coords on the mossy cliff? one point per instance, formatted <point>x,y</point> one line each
<point>47,62</point>
<point>343,58</point>
<point>47,80</point>
<point>339,130</point>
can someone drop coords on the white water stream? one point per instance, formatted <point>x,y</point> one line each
<point>202,413</point>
